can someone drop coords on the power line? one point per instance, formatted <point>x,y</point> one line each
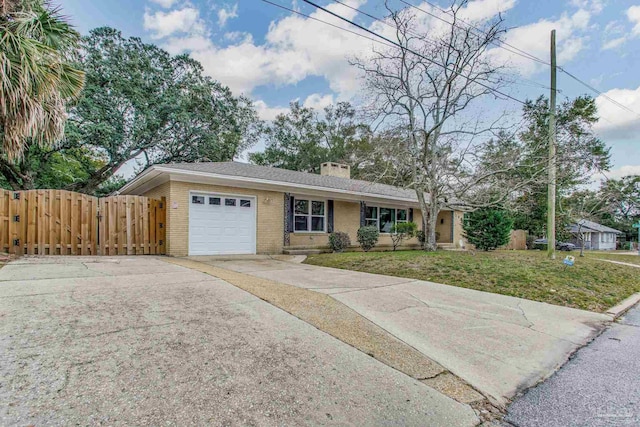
<point>410,50</point>
<point>520,52</point>
<point>426,40</point>
<point>325,22</point>
<point>499,43</point>
<point>605,96</point>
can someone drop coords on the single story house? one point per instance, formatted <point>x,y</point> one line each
<point>595,236</point>
<point>237,208</point>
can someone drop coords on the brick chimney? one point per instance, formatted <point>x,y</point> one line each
<point>335,169</point>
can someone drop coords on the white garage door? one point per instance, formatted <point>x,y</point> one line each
<point>220,224</point>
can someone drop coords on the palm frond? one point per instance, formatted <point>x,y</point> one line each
<point>36,77</point>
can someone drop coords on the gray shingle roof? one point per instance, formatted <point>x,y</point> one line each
<point>590,226</point>
<point>294,177</point>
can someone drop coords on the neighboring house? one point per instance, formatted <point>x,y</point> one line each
<point>237,208</point>
<point>595,236</point>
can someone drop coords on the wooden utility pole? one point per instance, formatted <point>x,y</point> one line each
<point>551,199</point>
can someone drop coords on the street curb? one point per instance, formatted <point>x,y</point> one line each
<point>624,306</point>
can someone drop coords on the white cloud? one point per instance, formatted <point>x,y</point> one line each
<point>623,171</point>
<point>633,14</point>
<point>290,53</point>
<point>296,47</point>
<point>480,10</point>
<point>614,43</point>
<point>177,45</point>
<point>318,101</point>
<point>268,113</point>
<point>595,6</point>
<point>164,3</point>
<point>617,123</point>
<point>534,39</point>
<point>164,24</point>
<point>225,14</point>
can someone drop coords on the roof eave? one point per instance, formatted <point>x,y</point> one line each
<point>144,182</point>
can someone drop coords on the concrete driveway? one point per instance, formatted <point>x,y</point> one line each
<point>137,341</point>
<point>499,344</point>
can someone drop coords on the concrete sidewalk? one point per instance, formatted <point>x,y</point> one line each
<point>499,344</point>
<point>138,341</point>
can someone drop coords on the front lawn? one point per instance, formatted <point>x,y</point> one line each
<point>590,284</point>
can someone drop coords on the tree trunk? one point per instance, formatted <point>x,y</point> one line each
<point>429,219</point>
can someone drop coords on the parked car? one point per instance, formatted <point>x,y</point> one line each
<point>561,246</point>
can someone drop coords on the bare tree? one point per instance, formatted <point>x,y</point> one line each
<point>420,90</point>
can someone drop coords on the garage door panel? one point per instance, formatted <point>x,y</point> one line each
<point>225,228</point>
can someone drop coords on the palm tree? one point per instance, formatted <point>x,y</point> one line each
<point>37,79</point>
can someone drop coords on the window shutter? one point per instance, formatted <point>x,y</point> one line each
<point>329,216</point>
<point>363,213</point>
<point>288,207</point>
<point>410,214</point>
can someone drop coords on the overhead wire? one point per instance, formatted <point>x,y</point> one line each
<point>521,52</point>
<point>432,42</point>
<point>495,91</point>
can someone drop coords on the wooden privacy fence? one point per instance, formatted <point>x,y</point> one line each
<point>517,241</point>
<point>131,225</point>
<point>59,222</point>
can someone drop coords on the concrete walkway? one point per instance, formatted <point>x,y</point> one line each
<point>628,264</point>
<point>597,388</point>
<point>138,341</point>
<point>500,345</point>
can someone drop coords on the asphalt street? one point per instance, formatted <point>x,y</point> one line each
<point>600,386</point>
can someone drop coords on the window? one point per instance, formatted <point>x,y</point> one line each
<point>229,202</point>
<point>384,218</point>
<point>308,215</point>
<point>371,216</point>
<point>214,200</point>
<point>387,217</point>
<point>245,203</point>
<point>401,215</point>
<point>197,200</point>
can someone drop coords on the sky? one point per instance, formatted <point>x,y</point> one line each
<point>274,56</point>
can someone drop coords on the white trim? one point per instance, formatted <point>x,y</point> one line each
<point>230,195</point>
<point>138,186</point>
<point>395,220</point>
<point>310,215</point>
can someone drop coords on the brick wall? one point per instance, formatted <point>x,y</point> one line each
<point>347,219</point>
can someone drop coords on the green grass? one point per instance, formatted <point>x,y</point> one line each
<point>590,284</point>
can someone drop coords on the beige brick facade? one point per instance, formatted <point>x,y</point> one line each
<point>270,219</point>
<point>269,211</point>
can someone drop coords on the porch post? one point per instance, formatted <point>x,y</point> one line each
<point>453,222</point>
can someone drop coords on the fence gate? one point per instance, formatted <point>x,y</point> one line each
<point>131,225</point>
<point>59,222</point>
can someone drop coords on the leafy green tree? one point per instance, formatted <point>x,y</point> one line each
<point>302,139</point>
<point>36,76</point>
<point>487,228</point>
<point>142,104</point>
<point>580,154</point>
<point>621,202</point>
